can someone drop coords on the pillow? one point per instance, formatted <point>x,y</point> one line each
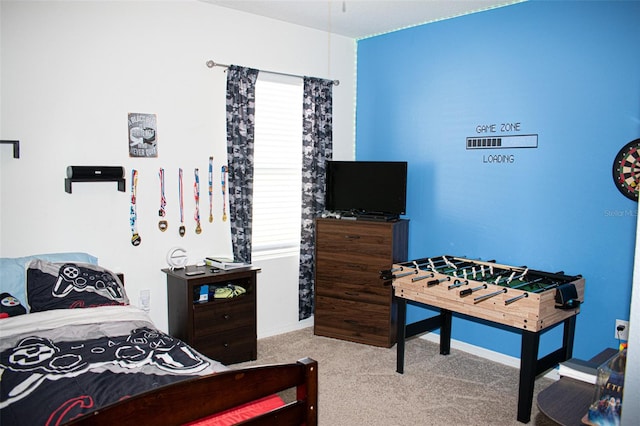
<point>10,306</point>
<point>13,270</point>
<point>69,285</point>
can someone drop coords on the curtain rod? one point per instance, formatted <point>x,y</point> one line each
<point>212,64</point>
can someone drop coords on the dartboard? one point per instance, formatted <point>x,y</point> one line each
<point>626,170</point>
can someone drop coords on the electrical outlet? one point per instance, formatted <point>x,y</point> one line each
<point>145,300</point>
<point>624,333</point>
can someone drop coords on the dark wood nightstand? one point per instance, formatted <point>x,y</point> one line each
<point>567,400</point>
<point>222,329</point>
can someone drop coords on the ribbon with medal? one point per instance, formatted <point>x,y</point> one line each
<point>181,230</point>
<point>162,224</point>
<point>135,237</point>
<point>196,196</point>
<point>210,189</point>
<point>223,182</point>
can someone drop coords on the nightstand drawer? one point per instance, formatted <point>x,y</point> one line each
<point>218,316</point>
<point>229,347</point>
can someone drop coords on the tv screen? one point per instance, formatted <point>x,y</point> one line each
<point>367,187</point>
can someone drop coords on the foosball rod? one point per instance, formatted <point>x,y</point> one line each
<point>424,277</point>
<point>468,291</point>
<point>436,282</point>
<point>457,283</point>
<point>390,273</point>
<point>504,290</point>
<point>526,294</point>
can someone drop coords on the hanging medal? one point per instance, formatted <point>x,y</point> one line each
<point>210,189</point>
<point>162,224</point>
<point>196,196</point>
<point>135,237</point>
<point>181,230</point>
<point>223,181</point>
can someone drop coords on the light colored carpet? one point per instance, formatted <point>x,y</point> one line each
<point>358,384</point>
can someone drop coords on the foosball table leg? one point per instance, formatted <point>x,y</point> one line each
<point>528,371</point>
<point>445,331</point>
<point>568,336</point>
<point>401,333</point>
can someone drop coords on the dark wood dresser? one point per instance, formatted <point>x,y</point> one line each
<point>222,329</point>
<point>351,301</point>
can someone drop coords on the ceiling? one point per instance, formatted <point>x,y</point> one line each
<point>360,18</point>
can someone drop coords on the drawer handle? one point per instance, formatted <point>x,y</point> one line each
<point>226,345</point>
<point>226,316</point>
<point>352,237</point>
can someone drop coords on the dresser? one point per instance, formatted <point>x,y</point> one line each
<point>351,301</point>
<point>222,329</point>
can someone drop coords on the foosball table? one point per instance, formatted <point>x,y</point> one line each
<point>526,300</point>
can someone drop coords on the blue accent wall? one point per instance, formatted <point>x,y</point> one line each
<point>566,71</point>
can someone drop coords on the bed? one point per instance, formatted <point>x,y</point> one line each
<point>74,351</point>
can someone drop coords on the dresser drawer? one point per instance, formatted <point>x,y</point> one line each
<point>229,347</point>
<point>357,322</point>
<point>218,316</point>
<point>358,291</point>
<point>361,240</point>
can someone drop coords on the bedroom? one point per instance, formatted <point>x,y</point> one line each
<point>72,71</point>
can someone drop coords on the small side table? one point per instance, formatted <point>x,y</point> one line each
<point>222,329</point>
<point>567,400</point>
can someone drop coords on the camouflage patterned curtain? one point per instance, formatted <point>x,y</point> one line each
<point>241,95</point>
<point>317,148</point>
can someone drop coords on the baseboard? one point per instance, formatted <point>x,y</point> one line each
<point>485,353</point>
<point>305,323</point>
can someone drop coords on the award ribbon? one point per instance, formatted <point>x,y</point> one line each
<point>135,237</point>
<point>181,230</point>
<point>223,181</point>
<point>210,189</point>
<point>196,196</point>
<point>162,224</point>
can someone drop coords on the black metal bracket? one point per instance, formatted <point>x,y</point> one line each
<point>68,181</point>
<point>16,147</point>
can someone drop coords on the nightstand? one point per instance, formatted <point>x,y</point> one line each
<point>222,329</point>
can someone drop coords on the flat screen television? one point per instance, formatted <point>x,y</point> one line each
<point>367,188</point>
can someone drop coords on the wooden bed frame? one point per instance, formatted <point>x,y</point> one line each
<point>198,398</point>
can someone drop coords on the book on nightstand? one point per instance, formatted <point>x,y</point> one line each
<point>224,263</point>
<point>578,369</point>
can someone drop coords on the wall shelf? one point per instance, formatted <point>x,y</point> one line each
<point>69,181</point>
<point>16,147</point>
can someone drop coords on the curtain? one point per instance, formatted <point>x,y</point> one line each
<point>241,95</point>
<point>317,148</point>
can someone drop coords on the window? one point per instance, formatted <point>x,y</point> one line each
<point>277,166</point>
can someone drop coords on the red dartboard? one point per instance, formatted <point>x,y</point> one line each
<point>626,170</point>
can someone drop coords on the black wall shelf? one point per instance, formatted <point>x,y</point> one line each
<point>16,147</point>
<point>68,181</point>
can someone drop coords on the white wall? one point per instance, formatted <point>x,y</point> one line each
<point>70,73</point>
<point>631,411</point>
